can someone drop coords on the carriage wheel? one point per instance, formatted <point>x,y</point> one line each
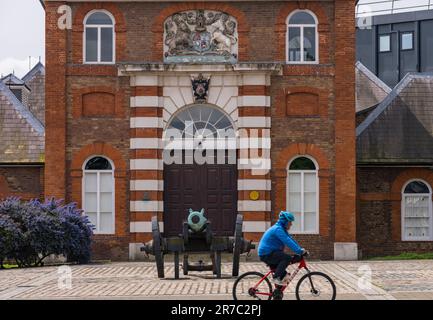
<point>157,247</point>
<point>237,245</point>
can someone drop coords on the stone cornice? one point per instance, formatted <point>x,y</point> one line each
<point>125,69</point>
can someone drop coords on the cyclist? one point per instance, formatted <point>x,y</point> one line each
<point>271,247</point>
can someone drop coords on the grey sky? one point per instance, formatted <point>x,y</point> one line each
<point>22,32</point>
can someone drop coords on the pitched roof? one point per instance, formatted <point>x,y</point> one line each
<point>370,90</point>
<point>400,129</point>
<point>39,67</point>
<point>22,135</point>
<point>12,79</point>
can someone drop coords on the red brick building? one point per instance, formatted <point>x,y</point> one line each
<point>119,76</point>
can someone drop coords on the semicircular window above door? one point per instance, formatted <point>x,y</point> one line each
<point>202,121</point>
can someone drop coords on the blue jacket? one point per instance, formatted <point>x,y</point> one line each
<point>276,238</point>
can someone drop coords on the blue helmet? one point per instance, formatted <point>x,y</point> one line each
<point>286,215</point>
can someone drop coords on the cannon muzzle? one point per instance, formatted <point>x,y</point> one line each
<point>147,248</point>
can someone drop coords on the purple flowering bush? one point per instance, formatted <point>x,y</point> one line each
<point>31,231</point>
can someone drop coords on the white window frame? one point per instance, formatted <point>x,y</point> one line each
<point>99,26</point>
<point>403,209</point>
<point>98,193</point>
<point>316,232</point>
<point>302,26</point>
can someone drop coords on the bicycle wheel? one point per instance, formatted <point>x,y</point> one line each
<point>315,286</point>
<point>245,288</point>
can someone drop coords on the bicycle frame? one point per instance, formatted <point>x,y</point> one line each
<point>302,265</point>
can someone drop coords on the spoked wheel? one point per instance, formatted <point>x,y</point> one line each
<point>315,286</point>
<point>245,288</point>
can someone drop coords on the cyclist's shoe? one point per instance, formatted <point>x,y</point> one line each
<point>282,282</point>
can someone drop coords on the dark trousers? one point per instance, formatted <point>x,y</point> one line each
<point>280,261</point>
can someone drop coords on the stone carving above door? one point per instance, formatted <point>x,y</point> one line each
<point>200,36</point>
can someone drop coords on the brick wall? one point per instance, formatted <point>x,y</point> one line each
<point>22,181</point>
<point>259,27</point>
<point>55,103</point>
<point>379,210</point>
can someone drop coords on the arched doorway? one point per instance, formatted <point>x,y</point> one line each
<point>204,172</point>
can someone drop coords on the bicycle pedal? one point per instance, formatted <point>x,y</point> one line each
<point>277,294</point>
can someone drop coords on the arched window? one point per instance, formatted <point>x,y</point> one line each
<point>98,193</point>
<point>416,211</point>
<point>303,195</point>
<point>202,120</point>
<point>99,38</point>
<point>302,38</point>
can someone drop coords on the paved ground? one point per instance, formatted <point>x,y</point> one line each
<point>138,280</point>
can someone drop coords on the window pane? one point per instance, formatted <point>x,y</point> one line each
<point>106,220</point>
<point>416,187</point>
<point>91,44</point>
<point>385,43</point>
<point>310,182</point>
<point>90,182</point>
<point>310,222</point>
<point>294,44</point>
<point>407,41</point>
<point>310,44</point>
<point>294,182</point>
<point>99,18</point>
<point>302,163</point>
<point>106,204</point>
<point>106,183</point>
<point>294,203</point>
<point>90,202</point>
<point>98,163</point>
<point>417,232</point>
<point>310,202</point>
<point>92,218</point>
<point>302,18</point>
<point>417,221</point>
<point>296,226</point>
<point>107,44</point>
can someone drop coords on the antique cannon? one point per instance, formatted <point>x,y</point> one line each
<point>197,237</point>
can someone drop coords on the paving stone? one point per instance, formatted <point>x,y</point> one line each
<point>138,280</point>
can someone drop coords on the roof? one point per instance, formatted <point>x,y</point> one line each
<point>22,135</point>
<point>370,90</point>
<point>400,128</point>
<point>39,67</point>
<point>11,79</point>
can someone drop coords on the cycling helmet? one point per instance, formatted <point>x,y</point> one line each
<point>287,216</point>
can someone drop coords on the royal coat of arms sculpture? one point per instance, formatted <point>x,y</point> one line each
<point>200,36</point>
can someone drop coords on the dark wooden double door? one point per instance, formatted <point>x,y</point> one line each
<point>208,186</point>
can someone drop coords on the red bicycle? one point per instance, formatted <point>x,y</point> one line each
<point>312,285</point>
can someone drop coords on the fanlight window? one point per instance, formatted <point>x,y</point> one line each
<point>417,211</point>
<point>202,121</point>
<point>302,38</point>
